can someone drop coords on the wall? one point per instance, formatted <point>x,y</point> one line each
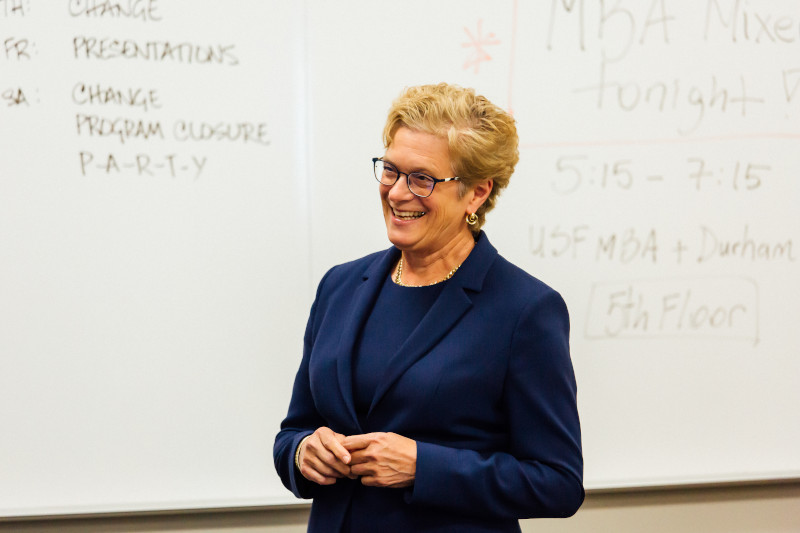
<point>766,508</point>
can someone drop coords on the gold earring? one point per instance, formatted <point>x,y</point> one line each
<point>472,219</point>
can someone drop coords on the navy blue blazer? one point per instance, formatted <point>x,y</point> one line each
<point>484,384</point>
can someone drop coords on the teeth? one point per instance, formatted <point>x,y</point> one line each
<point>407,215</point>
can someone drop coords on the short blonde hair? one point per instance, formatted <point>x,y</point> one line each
<point>482,137</point>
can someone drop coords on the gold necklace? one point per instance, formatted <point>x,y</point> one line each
<point>398,279</point>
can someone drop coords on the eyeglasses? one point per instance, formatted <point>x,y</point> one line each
<point>418,183</point>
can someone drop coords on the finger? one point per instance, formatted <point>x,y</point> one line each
<point>370,481</point>
<point>326,470</point>
<point>336,468</point>
<point>362,470</point>
<point>333,444</point>
<point>358,442</point>
<point>323,460</point>
<point>360,457</point>
<point>315,469</point>
<point>312,475</point>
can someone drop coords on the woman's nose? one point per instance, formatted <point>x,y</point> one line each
<point>400,190</point>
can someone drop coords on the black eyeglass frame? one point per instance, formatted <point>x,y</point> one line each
<point>407,175</point>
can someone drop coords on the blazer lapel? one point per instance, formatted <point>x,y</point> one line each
<point>364,297</point>
<point>445,313</point>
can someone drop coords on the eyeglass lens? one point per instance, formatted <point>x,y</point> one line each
<point>418,183</point>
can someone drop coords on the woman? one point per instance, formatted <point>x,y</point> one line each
<point>436,391</point>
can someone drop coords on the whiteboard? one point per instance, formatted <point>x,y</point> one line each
<point>154,267</point>
<point>656,190</point>
<point>155,282</point>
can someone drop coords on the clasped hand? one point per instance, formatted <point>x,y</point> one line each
<point>379,459</point>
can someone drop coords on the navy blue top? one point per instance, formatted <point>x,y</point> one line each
<point>484,386</point>
<point>397,312</point>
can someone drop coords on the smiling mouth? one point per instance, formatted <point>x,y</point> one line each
<point>407,215</point>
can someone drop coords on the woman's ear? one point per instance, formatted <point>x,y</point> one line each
<point>479,195</point>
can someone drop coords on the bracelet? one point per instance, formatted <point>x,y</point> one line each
<point>297,451</point>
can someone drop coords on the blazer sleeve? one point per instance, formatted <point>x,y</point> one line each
<point>302,418</point>
<point>540,474</point>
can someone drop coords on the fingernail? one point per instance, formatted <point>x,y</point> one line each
<point>346,458</point>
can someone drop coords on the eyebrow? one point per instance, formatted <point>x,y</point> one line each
<point>418,171</point>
